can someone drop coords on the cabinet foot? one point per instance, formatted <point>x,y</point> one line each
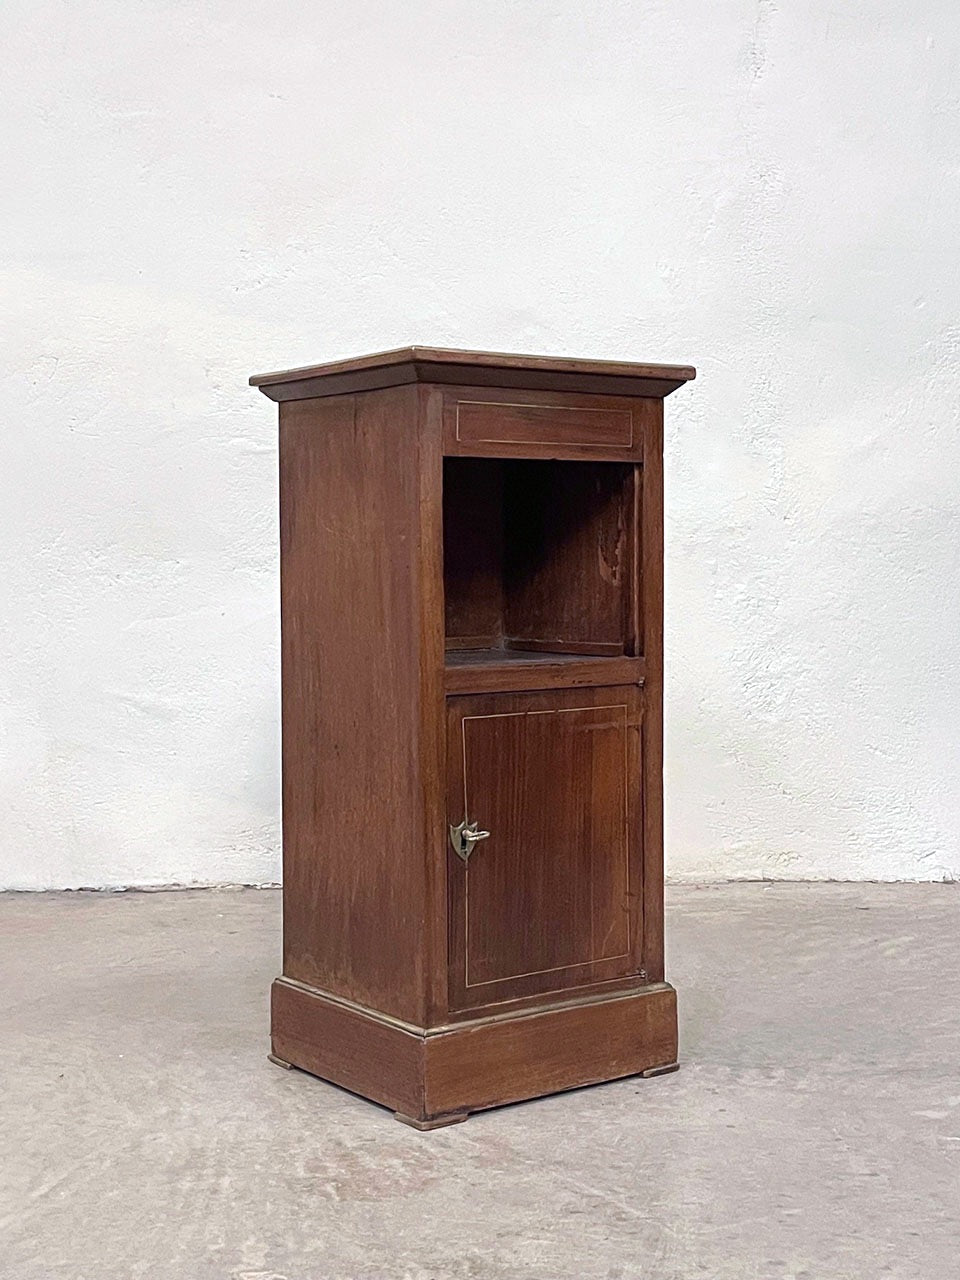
<point>660,1071</point>
<point>436,1122</point>
<point>279,1062</point>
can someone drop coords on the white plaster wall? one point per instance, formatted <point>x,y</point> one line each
<point>194,192</point>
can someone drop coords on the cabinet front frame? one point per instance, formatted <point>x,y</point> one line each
<point>647,453</point>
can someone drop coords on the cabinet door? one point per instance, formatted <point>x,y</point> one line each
<point>551,898</point>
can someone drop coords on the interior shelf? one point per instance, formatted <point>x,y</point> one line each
<point>498,670</point>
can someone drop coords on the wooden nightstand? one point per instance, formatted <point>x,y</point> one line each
<point>472,649</point>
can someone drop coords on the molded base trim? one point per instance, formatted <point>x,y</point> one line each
<point>437,1122</point>
<point>660,1071</point>
<point>434,1078</point>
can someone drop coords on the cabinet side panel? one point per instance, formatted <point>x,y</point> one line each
<point>353,822</point>
<point>473,552</point>
<point>651,576</point>
<point>567,563</point>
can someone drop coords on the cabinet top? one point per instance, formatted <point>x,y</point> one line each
<point>473,368</point>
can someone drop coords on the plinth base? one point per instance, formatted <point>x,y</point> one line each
<point>436,1076</point>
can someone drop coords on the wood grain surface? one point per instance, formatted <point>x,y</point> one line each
<point>480,368</point>
<point>355,876</point>
<point>435,1077</point>
<point>552,899</point>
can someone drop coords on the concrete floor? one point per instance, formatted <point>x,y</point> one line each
<point>812,1132</point>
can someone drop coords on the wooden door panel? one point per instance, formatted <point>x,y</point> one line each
<point>551,899</point>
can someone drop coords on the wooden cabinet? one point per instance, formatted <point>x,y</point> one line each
<point>471,595</point>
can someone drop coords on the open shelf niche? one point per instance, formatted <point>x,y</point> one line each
<point>540,561</point>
